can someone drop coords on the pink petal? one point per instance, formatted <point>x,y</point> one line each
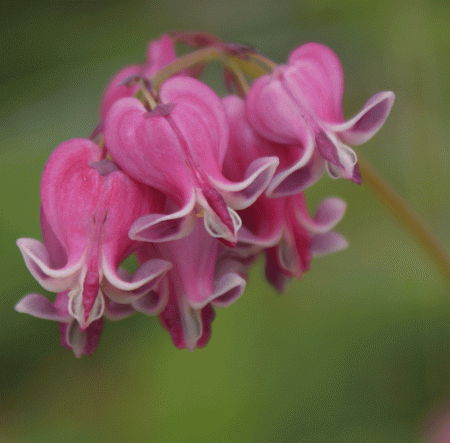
<point>327,243</point>
<point>116,89</point>
<point>124,289</point>
<point>328,214</point>
<point>165,227</point>
<point>38,263</point>
<point>364,125</point>
<point>257,177</point>
<point>117,311</point>
<point>39,306</point>
<point>81,342</point>
<point>316,80</point>
<point>273,113</point>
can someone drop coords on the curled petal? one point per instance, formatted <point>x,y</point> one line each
<point>39,306</point>
<point>367,122</point>
<point>165,227</point>
<point>151,303</point>
<point>328,214</point>
<point>327,243</point>
<point>256,179</point>
<point>38,263</point>
<point>300,174</point>
<point>122,288</point>
<point>227,289</point>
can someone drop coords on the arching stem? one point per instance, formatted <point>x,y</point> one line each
<point>406,217</point>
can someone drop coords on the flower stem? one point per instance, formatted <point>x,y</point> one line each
<point>193,58</point>
<point>407,217</point>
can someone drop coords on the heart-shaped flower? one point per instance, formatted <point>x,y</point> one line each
<point>87,208</point>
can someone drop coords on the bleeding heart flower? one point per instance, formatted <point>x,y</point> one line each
<point>301,104</point>
<point>87,208</point>
<point>179,148</point>
<point>203,276</point>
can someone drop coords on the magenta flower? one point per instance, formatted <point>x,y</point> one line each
<point>203,276</point>
<point>159,54</point>
<point>179,148</point>
<point>294,172</point>
<point>301,104</point>
<point>303,238</point>
<point>87,208</point>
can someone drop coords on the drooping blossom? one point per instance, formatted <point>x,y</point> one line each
<point>300,104</point>
<point>179,148</point>
<point>87,208</point>
<point>280,226</point>
<point>202,277</point>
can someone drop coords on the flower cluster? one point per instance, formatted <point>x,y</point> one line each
<point>196,186</point>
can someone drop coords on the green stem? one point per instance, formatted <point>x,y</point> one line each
<point>193,58</point>
<point>407,217</point>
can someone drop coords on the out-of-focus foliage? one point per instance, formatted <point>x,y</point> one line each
<point>357,351</point>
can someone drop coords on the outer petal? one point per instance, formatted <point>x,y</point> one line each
<point>201,119</point>
<point>316,80</point>
<point>147,148</point>
<point>39,306</point>
<point>246,146</point>
<point>328,214</point>
<point>123,288</point>
<point>70,192</point>
<point>304,168</point>
<point>327,243</point>
<point>38,263</point>
<point>274,114</point>
<point>166,227</point>
<point>364,125</point>
<point>159,54</point>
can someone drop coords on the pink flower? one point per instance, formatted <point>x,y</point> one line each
<point>179,148</point>
<point>87,208</point>
<point>280,226</point>
<point>303,238</point>
<point>160,53</point>
<point>290,238</point>
<point>300,104</point>
<point>203,276</point>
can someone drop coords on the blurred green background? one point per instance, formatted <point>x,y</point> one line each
<point>359,351</point>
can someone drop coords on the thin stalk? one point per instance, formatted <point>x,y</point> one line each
<point>407,217</point>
